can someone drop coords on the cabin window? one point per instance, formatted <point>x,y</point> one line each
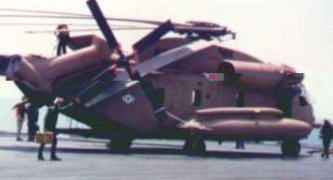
<point>240,99</point>
<point>196,97</point>
<point>160,96</point>
<point>302,101</point>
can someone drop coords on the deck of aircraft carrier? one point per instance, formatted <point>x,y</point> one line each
<point>90,159</point>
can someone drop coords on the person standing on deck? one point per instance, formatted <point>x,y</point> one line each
<point>326,133</point>
<point>19,110</point>
<point>32,114</point>
<point>50,124</point>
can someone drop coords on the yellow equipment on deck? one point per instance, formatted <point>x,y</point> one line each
<point>44,137</point>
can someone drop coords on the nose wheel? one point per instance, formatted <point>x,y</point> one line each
<point>194,144</point>
<point>120,144</point>
<point>290,148</point>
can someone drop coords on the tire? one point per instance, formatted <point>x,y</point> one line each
<point>194,145</point>
<point>290,148</point>
<point>121,144</point>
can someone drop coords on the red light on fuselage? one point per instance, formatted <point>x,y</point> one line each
<point>212,76</point>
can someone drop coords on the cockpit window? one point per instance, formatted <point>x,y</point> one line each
<point>302,101</point>
<point>303,97</point>
<point>196,97</point>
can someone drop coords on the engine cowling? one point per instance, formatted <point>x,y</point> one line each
<point>258,75</point>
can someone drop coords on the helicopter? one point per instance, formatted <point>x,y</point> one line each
<point>187,87</point>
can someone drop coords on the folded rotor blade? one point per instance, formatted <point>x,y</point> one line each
<point>153,36</point>
<point>169,57</point>
<point>164,59</point>
<point>67,15</point>
<point>101,21</point>
<point>85,30</point>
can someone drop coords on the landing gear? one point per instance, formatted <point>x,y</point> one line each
<point>290,148</point>
<point>195,145</point>
<point>120,144</point>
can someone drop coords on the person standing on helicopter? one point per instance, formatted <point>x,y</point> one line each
<point>63,37</point>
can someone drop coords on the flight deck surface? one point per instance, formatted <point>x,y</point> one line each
<point>90,159</point>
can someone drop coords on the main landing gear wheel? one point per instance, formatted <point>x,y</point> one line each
<point>290,148</point>
<point>194,145</point>
<point>120,144</point>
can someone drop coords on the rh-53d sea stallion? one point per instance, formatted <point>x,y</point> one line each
<point>185,87</point>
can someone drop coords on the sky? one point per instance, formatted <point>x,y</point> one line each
<point>293,32</point>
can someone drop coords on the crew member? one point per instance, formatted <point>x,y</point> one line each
<point>63,37</point>
<point>240,102</point>
<point>19,111</point>
<point>326,133</point>
<point>32,113</point>
<point>50,123</point>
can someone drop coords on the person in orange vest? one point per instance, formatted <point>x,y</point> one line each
<point>19,110</point>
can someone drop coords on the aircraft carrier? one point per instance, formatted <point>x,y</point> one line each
<point>90,159</point>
